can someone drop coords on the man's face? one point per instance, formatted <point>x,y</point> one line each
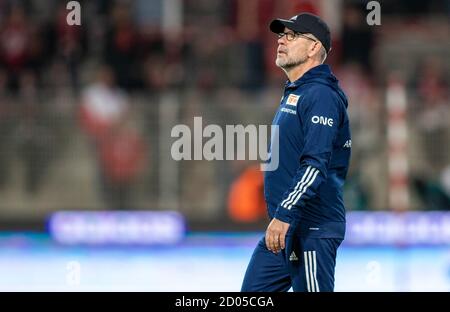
<point>292,53</point>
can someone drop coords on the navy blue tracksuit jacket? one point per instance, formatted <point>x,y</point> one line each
<point>306,188</point>
<point>314,151</point>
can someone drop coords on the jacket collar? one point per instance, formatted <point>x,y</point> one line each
<point>312,72</point>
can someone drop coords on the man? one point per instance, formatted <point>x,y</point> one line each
<point>304,194</point>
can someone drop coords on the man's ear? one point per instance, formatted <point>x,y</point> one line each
<point>315,48</point>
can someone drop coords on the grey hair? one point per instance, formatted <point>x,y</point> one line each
<point>322,55</point>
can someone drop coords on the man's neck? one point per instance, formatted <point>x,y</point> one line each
<point>297,72</point>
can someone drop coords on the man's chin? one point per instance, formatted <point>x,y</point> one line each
<point>283,65</point>
<point>287,65</point>
<point>280,63</point>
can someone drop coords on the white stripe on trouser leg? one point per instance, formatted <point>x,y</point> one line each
<point>305,254</point>
<point>297,187</point>
<point>311,276</point>
<point>315,271</point>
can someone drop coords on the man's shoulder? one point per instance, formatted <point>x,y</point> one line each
<point>320,95</point>
<point>319,89</point>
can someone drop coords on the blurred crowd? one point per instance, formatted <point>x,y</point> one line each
<point>104,82</point>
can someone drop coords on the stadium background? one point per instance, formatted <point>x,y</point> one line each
<point>86,114</point>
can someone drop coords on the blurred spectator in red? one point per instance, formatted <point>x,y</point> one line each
<point>122,157</point>
<point>102,105</point>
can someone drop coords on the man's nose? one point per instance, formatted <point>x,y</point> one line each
<point>282,40</point>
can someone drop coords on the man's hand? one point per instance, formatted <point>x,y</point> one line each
<point>276,235</point>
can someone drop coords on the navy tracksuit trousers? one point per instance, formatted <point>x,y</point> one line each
<point>307,264</point>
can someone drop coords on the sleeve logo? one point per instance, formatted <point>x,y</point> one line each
<point>322,120</point>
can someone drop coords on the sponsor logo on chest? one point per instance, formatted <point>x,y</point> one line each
<point>292,99</point>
